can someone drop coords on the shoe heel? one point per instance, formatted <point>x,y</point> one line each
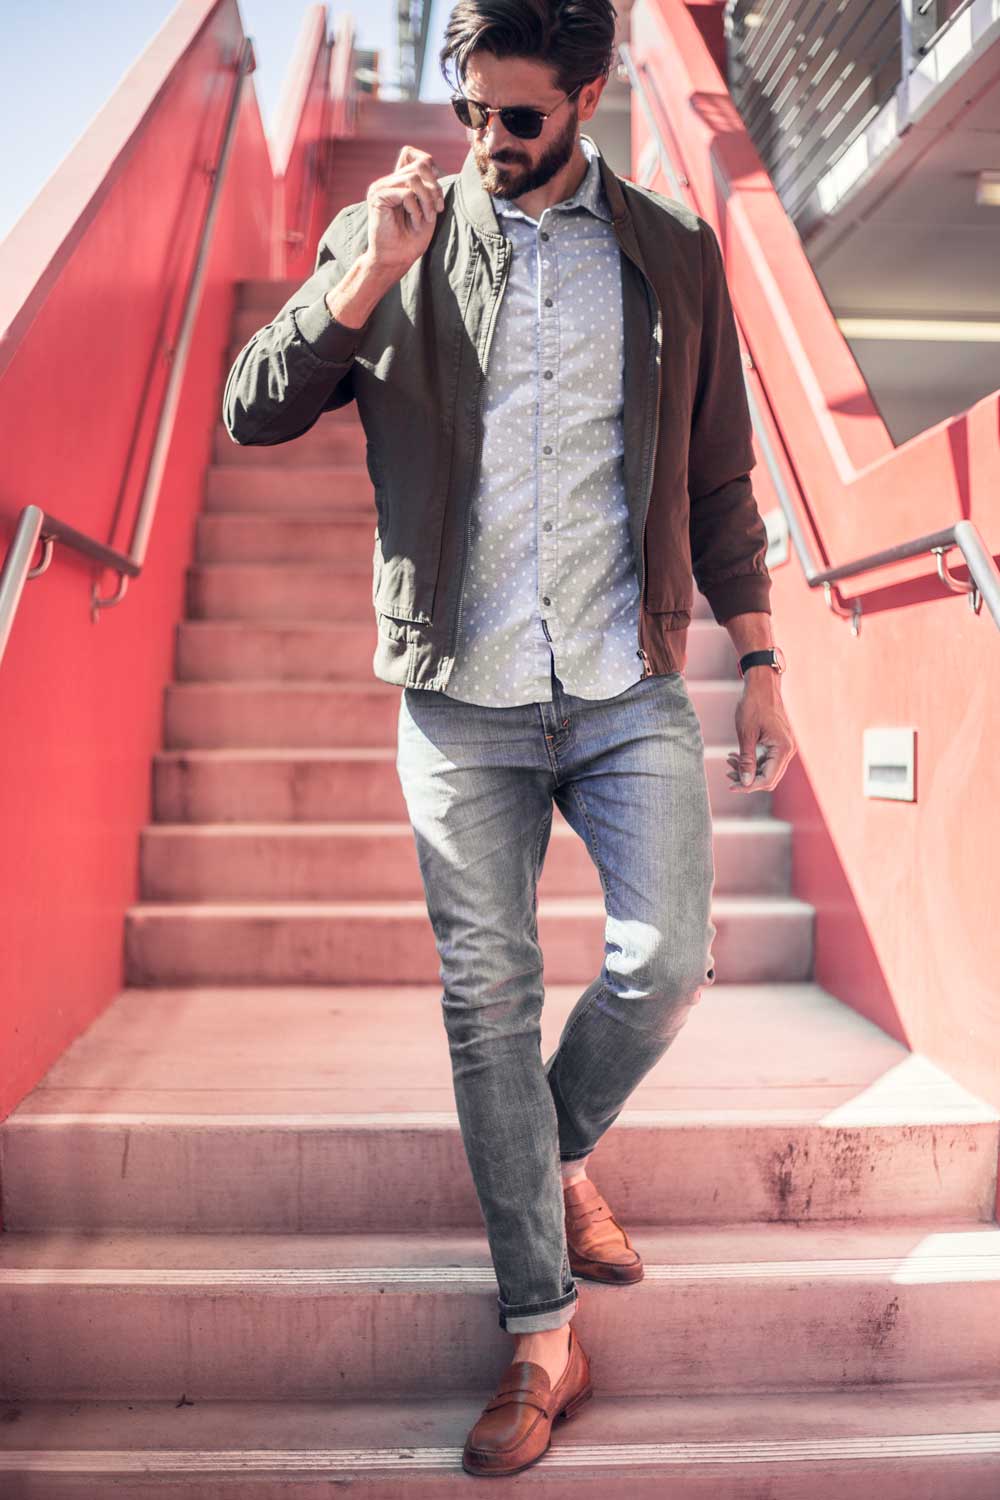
<point>577,1402</point>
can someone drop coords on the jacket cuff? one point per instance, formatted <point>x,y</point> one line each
<point>328,339</point>
<point>744,593</point>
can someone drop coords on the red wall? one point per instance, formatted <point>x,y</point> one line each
<point>907,895</point>
<point>87,278</point>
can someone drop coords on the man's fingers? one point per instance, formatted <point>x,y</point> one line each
<point>747,761</point>
<point>412,154</point>
<point>410,194</point>
<point>765,773</point>
<point>404,187</point>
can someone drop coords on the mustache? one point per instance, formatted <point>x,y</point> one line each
<point>505,160</point>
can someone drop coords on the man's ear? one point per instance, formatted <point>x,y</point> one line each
<point>589,97</point>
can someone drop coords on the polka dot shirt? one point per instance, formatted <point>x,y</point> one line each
<point>551,575</point>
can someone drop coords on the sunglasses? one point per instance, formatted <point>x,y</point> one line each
<point>517,119</point>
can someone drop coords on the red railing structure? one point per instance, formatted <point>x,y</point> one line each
<point>116,297</point>
<point>316,110</point>
<point>905,891</point>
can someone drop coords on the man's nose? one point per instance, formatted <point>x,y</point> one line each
<point>496,138</point>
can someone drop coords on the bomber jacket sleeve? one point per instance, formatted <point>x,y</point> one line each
<point>728,537</point>
<point>300,364</point>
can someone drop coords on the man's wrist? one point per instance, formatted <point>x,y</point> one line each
<point>355,297</point>
<point>762,678</point>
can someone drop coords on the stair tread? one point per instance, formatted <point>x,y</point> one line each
<point>953,1249</point>
<point>559,905</point>
<point>565,906</point>
<point>421,1432</point>
<point>775,1054</point>
<point>333,470</point>
<point>254,753</point>
<point>342,516</point>
<point>399,828</point>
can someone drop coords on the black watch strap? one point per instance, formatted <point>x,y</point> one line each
<point>768,657</point>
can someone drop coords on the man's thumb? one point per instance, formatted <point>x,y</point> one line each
<point>748,766</point>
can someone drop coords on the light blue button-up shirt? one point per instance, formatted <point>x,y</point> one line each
<point>550,572</point>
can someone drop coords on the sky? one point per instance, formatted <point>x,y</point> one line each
<point>62,59</point>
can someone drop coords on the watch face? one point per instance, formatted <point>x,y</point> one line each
<point>779,657</point>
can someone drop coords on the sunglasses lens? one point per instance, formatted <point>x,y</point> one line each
<point>472,116</point>
<point>524,123</point>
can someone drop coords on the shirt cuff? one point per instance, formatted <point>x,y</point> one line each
<point>328,339</point>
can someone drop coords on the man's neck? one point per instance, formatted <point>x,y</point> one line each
<point>563,185</point>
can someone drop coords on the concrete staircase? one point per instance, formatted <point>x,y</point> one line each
<point>243,1252</point>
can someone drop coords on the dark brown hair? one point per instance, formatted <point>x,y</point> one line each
<point>576,38</point>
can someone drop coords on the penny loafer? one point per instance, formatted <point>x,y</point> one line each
<point>599,1248</point>
<point>515,1427</point>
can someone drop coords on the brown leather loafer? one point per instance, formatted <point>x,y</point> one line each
<point>515,1427</point>
<point>599,1248</point>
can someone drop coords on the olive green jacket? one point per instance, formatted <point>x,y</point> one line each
<point>416,370</point>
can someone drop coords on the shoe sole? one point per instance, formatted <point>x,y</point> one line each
<point>565,1412</point>
<point>609,1280</point>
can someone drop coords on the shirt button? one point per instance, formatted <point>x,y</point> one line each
<point>546,599</point>
<point>545,234</point>
<point>548,374</point>
<point>547,526</point>
<point>548,302</point>
<point>547,448</point>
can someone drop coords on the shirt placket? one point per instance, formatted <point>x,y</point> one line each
<point>547,465</point>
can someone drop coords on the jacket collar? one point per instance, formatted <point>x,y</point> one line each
<point>477,203</point>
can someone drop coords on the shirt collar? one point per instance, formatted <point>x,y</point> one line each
<point>589,195</point>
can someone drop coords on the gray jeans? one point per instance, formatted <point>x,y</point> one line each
<point>628,773</point>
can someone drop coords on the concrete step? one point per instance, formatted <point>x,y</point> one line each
<point>759,938</point>
<point>378,861</point>
<point>345,540</point>
<point>271,488</point>
<point>292,593</point>
<point>324,784</point>
<point>210,650</point>
<point>932,1442</point>
<point>261,715</point>
<point>323,1109</point>
<point>338,443</point>
<point>760,1307</point>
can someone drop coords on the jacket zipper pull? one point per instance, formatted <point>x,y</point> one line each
<point>647,670</point>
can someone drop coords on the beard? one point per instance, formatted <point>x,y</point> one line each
<point>510,176</point>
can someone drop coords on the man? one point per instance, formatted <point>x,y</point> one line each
<point>546,368</point>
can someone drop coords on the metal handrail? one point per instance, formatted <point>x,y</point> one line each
<point>984,574</point>
<point>35,524</point>
<point>336,121</point>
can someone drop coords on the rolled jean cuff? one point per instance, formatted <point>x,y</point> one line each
<point>536,1316</point>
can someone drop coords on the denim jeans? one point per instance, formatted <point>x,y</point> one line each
<point>628,773</point>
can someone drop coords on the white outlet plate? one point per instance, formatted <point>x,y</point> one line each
<point>888,760</point>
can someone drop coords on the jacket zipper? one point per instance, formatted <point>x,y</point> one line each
<point>491,325</point>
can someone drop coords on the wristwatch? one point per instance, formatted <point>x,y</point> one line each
<point>773,656</point>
